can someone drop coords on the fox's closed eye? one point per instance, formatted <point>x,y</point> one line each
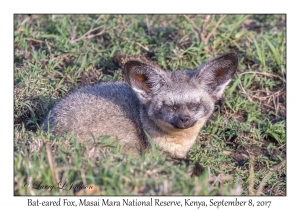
<point>172,107</point>
<point>194,106</point>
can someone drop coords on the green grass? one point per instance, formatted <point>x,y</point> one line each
<point>53,55</point>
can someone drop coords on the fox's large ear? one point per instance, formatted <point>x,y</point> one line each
<point>145,79</point>
<point>215,74</point>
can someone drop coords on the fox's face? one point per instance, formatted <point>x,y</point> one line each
<point>180,103</point>
<point>178,100</point>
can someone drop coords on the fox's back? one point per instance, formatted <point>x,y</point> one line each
<point>102,109</point>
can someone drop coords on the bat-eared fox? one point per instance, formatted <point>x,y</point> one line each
<point>168,107</point>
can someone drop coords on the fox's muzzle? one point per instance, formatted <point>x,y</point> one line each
<point>183,122</point>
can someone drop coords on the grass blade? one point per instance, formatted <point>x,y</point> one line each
<point>274,52</point>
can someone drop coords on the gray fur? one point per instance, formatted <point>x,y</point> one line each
<point>171,107</point>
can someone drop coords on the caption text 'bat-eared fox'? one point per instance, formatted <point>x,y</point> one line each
<point>169,107</point>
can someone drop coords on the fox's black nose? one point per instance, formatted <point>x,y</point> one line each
<point>184,119</point>
<point>183,122</point>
